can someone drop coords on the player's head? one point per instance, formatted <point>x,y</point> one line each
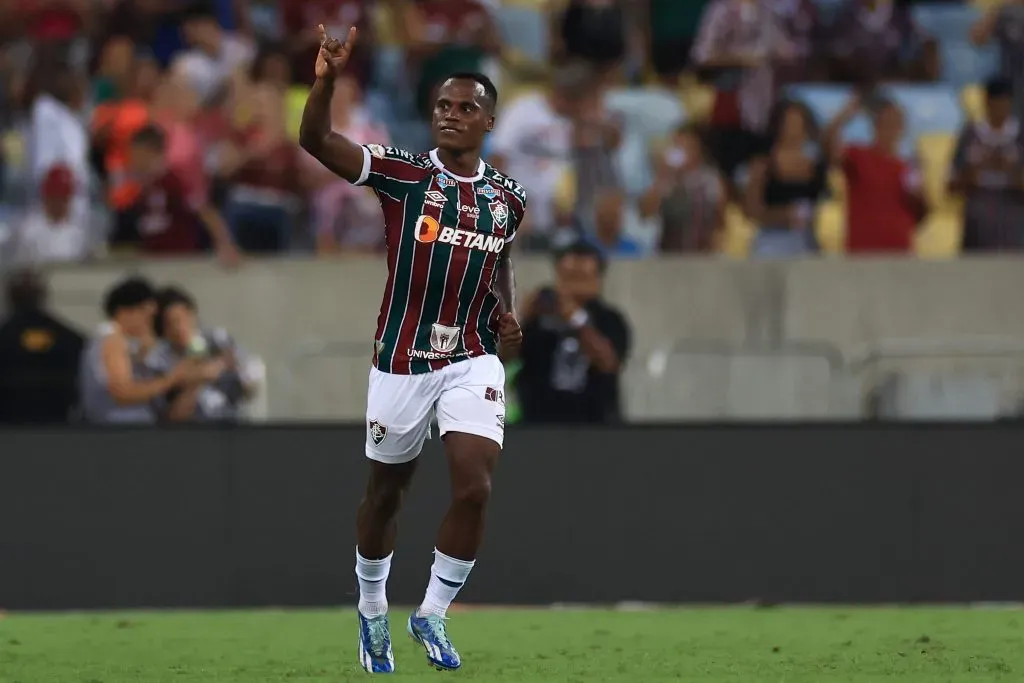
<point>888,124</point>
<point>578,269</point>
<point>464,111</point>
<point>998,101</point>
<point>199,26</point>
<point>176,316</point>
<point>147,151</point>
<point>131,303</point>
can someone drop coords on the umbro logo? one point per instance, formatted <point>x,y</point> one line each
<point>435,196</point>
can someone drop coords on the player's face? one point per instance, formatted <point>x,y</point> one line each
<point>461,116</point>
<point>179,325</point>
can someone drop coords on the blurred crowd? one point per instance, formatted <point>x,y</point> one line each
<point>764,127</point>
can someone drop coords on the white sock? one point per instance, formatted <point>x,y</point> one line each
<point>373,580</point>
<point>447,575</point>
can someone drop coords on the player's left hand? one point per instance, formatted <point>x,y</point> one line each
<point>510,336</point>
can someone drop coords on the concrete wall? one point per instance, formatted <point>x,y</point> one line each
<point>758,339</point>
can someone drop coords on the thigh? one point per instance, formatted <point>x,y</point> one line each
<point>472,399</point>
<point>398,413</point>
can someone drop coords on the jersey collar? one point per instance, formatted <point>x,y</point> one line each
<point>437,162</point>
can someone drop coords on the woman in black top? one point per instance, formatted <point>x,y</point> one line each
<point>786,183</point>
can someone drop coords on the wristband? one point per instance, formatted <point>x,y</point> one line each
<point>579,319</point>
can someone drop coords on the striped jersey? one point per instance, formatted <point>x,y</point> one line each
<point>444,234</point>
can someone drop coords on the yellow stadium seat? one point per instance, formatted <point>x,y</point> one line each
<point>697,98</point>
<point>830,226</point>
<point>837,184</point>
<point>295,102</point>
<point>935,150</point>
<point>972,99</point>
<point>13,146</point>
<point>739,232</point>
<point>939,235</point>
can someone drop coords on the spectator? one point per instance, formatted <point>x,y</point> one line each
<point>58,27</point>
<point>57,136</point>
<point>215,57</point>
<point>1004,22</point>
<point>596,134</point>
<point>262,165</point>
<point>446,37</point>
<point>988,168</point>
<point>532,142</point>
<point>169,208</point>
<point>345,217</point>
<point>739,44</point>
<point>884,191</point>
<point>52,233</point>
<point>39,357</point>
<point>688,195</point>
<point>801,23</point>
<point>574,345</point>
<point>672,29</point>
<point>594,31</point>
<point>116,386</point>
<point>223,397</point>
<point>877,40</point>
<point>301,18</point>
<point>784,185</point>
<point>609,216</point>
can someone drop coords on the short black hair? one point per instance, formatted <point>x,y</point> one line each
<point>580,247</point>
<point>198,9</point>
<point>167,297</point>
<point>128,293</point>
<point>999,87</point>
<point>26,291</point>
<point>490,90</point>
<point>150,136</point>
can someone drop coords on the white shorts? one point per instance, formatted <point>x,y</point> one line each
<point>468,396</point>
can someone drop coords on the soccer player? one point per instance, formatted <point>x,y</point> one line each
<point>449,307</point>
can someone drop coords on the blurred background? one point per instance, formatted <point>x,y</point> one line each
<point>774,209</point>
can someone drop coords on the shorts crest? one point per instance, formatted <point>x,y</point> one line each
<point>378,432</point>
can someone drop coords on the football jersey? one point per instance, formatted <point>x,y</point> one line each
<point>444,235</point>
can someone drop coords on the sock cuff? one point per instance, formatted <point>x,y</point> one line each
<point>450,568</point>
<point>373,570</point>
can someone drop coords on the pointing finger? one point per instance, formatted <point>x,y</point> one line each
<point>323,33</point>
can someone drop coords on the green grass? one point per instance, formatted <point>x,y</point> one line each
<point>778,645</point>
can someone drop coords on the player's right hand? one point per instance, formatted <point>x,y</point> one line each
<point>334,54</point>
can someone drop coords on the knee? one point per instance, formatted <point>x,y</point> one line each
<point>475,490</point>
<point>383,498</point>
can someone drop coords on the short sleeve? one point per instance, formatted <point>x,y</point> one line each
<point>390,170</point>
<point>614,326</point>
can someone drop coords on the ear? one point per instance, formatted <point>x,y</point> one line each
<point>490,123</point>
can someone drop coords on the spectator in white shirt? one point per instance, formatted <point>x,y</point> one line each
<point>57,134</point>
<point>533,142</point>
<point>51,233</point>
<point>214,57</point>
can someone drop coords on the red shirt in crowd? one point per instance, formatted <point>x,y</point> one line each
<point>277,170</point>
<point>881,214</point>
<point>50,21</point>
<point>300,18</point>
<point>168,216</point>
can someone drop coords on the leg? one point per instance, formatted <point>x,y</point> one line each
<point>398,420</point>
<point>470,414</point>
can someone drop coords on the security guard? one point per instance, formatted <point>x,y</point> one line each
<point>39,357</point>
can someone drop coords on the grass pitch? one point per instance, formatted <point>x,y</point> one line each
<point>775,645</point>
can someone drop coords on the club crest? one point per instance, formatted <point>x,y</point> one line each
<point>378,432</point>
<point>499,212</point>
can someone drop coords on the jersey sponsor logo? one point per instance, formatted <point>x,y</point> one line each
<point>495,395</point>
<point>377,151</point>
<point>378,431</point>
<point>487,191</point>
<point>445,182</point>
<point>499,213</point>
<point>444,338</point>
<point>420,354</point>
<point>429,230</point>
<point>471,210</point>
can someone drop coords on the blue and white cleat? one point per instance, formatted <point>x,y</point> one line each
<point>430,632</point>
<point>375,655</point>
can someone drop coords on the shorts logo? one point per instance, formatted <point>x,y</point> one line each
<point>444,339</point>
<point>487,191</point>
<point>499,213</point>
<point>376,150</point>
<point>445,182</point>
<point>501,422</point>
<point>378,432</point>
<point>496,395</point>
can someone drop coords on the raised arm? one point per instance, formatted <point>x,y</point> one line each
<point>336,152</point>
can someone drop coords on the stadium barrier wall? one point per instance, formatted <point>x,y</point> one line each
<point>264,516</point>
<point>275,307</point>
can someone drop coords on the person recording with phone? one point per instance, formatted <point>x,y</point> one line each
<point>574,345</point>
<point>232,377</point>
